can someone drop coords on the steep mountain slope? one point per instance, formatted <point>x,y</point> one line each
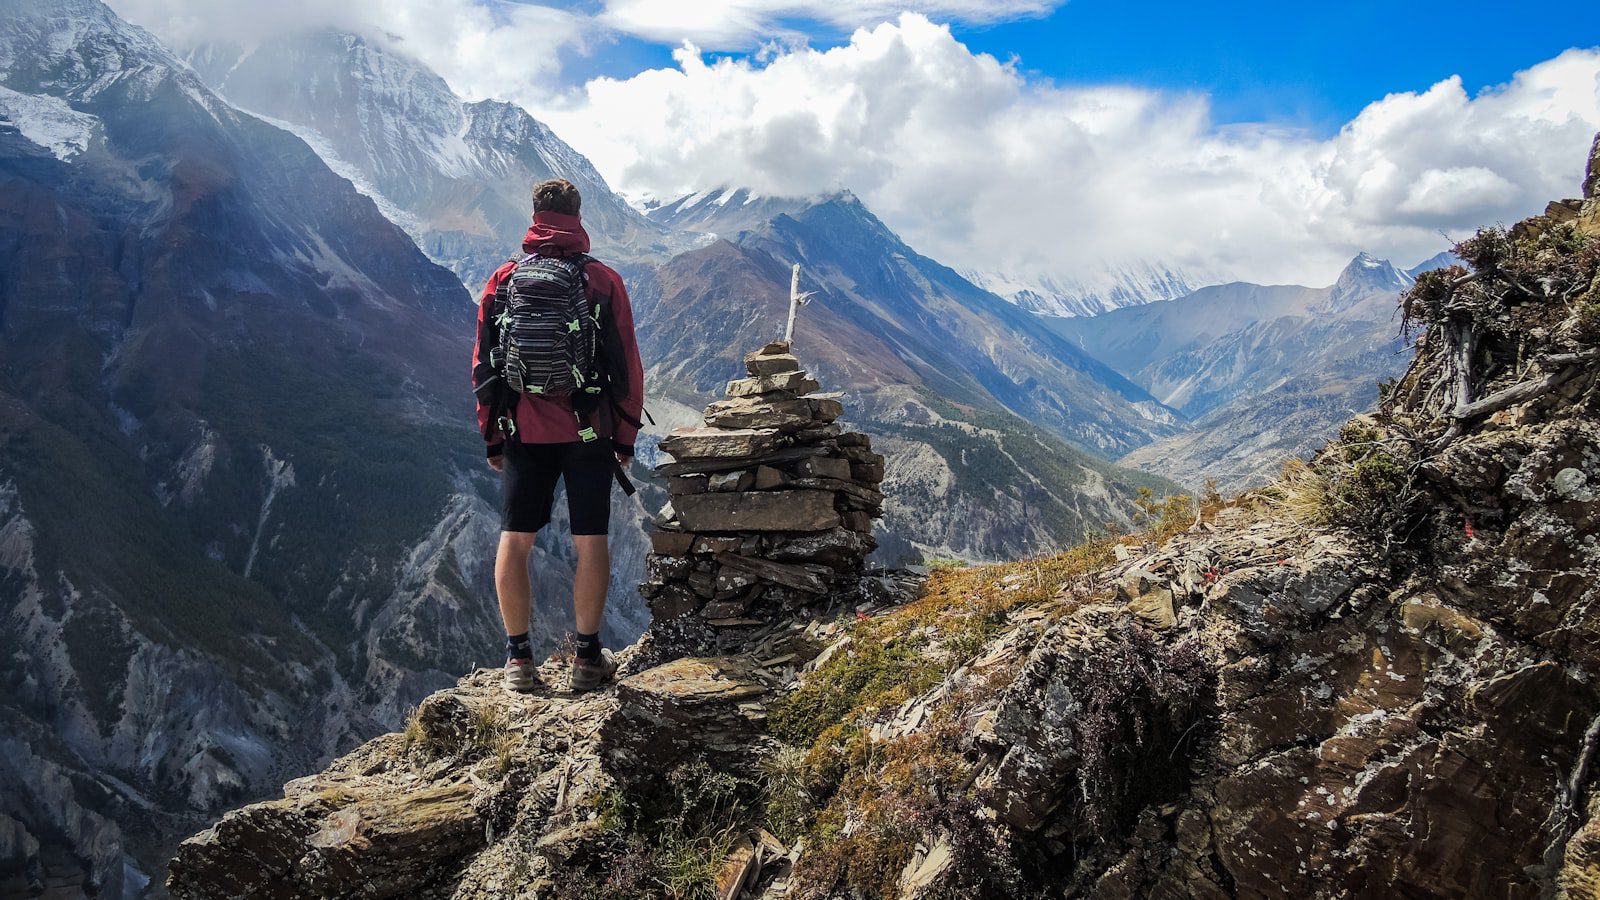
<point>1200,350</point>
<point>1243,443</point>
<point>1266,372</point>
<point>970,398</point>
<point>1092,293</point>
<point>455,175</point>
<point>728,212</point>
<point>964,342</point>
<point>1443,259</point>
<point>244,523</point>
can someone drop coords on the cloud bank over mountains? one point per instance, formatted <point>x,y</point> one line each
<point>976,163</point>
<point>745,24</point>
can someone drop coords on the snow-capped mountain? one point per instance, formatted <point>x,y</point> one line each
<point>1265,371</point>
<point>727,211</point>
<point>1440,260</point>
<point>977,347</point>
<point>968,397</point>
<point>455,174</point>
<point>1092,293</point>
<point>1362,277</point>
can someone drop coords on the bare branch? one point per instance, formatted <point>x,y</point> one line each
<point>1515,394</point>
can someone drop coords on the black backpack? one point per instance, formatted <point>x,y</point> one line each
<point>551,340</point>
<point>550,333</point>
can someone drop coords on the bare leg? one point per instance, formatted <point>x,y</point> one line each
<point>511,579</point>
<point>590,582</point>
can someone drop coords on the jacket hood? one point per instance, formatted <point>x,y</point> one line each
<point>555,234</point>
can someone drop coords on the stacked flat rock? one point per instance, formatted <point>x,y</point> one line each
<point>771,504</point>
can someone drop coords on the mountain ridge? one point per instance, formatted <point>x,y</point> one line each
<point>1264,372</point>
<point>455,172</point>
<point>1092,293</point>
<point>787,227</point>
<point>1115,287</point>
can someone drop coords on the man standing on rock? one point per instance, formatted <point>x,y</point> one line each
<point>560,389</point>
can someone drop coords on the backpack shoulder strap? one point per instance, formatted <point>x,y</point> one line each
<point>503,289</point>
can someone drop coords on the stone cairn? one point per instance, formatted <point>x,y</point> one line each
<point>771,509</point>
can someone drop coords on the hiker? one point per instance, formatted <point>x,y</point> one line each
<point>560,389</point>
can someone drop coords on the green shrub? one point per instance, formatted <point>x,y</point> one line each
<point>1140,698</point>
<point>671,842</point>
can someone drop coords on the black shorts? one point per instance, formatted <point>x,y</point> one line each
<point>530,477</point>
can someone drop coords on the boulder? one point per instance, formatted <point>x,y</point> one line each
<point>768,478</point>
<point>731,481</point>
<point>825,409</point>
<point>690,705</point>
<point>801,578</point>
<point>760,412</point>
<point>835,546</point>
<point>763,363</point>
<point>800,510</point>
<point>713,443</point>
<point>387,847</point>
<point>729,463</point>
<point>824,467</point>
<point>671,543</point>
<point>738,870</point>
<point>867,472</point>
<point>796,383</point>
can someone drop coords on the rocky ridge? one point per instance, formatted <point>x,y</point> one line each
<point>1376,678</point>
<point>454,174</point>
<point>768,526</point>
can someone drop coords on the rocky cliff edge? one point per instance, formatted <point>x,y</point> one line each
<point>1375,679</point>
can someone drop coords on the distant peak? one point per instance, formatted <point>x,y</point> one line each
<point>1441,260</point>
<point>1371,269</point>
<point>729,209</point>
<point>1364,276</point>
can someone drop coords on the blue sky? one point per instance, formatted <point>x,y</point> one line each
<point>1311,66</point>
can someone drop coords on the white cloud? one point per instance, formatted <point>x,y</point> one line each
<point>495,49</point>
<point>742,24</point>
<point>969,160</point>
<point>980,167</point>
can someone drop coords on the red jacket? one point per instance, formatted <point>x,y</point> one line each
<point>541,420</point>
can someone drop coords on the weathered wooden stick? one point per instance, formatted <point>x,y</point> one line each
<point>1567,359</point>
<point>1464,342</point>
<point>1515,394</point>
<point>796,300</point>
<point>1460,342</point>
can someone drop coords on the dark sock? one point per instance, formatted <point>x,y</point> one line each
<point>517,646</point>
<point>588,645</point>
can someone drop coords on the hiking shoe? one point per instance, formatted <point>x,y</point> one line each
<point>522,675</point>
<point>588,674</point>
